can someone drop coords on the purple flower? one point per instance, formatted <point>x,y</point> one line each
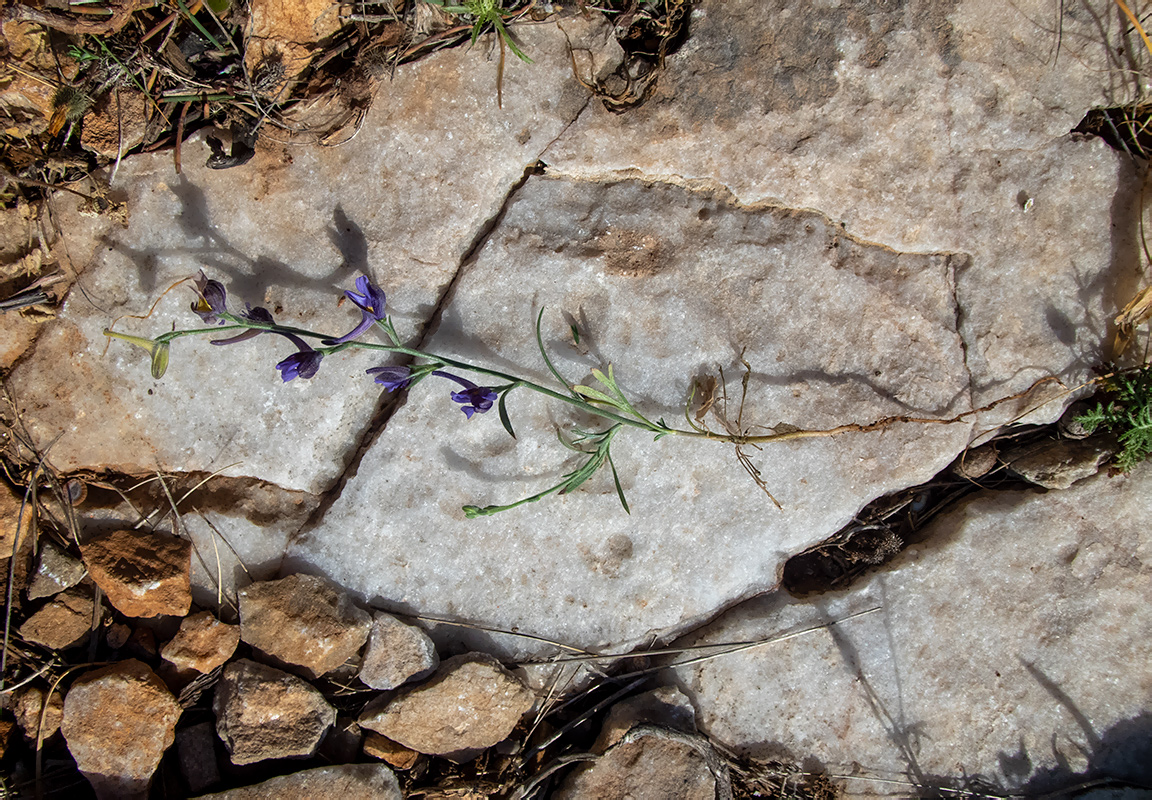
<point>370,301</point>
<point>212,299</point>
<point>474,399</point>
<point>302,364</point>
<point>393,379</point>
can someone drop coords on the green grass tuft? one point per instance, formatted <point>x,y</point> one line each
<point>1128,413</point>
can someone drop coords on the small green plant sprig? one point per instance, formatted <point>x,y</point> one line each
<point>1127,412</point>
<point>483,14</point>
<point>605,401</point>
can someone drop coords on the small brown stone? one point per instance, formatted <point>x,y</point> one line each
<point>264,713</point>
<point>63,623</point>
<point>11,519</point>
<point>396,653</point>
<point>142,644</point>
<point>118,721</point>
<point>28,704</point>
<point>388,751</point>
<point>116,124</point>
<point>650,764</point>
<point>470,704</point>
<point>56,570</point>
<point>303,621</point>
<point>346,782</point>
<point>118,635</point>
<point>143,574</point>
<point>7,728</point>
<point>202,643</point>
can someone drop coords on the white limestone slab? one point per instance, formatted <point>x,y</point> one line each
<point>666,284</point>
<point>402,201</point>
<point>924,127</point>
<point>1012,646</point>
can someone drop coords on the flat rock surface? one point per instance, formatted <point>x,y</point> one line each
<point>1011,644</point>
<point>403,200</point>
<point>879,208</point>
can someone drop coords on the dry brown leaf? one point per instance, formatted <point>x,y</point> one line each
<point>1135,313</point>
<point>707,389</point>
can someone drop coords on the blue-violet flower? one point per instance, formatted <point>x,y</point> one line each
<point>393,379</point>
<point>302,364</point>
<point>474,399</point>
<point>370,300</point>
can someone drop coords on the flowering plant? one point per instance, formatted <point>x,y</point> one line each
<point>606,400</point>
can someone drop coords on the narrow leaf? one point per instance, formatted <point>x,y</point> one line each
<point>551,367</point>
<point>598,396</point>
<point>503,409</point>
<point>619,488</point>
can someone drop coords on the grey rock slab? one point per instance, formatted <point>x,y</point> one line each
<point>396,653</point>
<point>344,782</point>
<point>668,284</point>
<point>923,127</point>
<point>1013,643</point>
<point>403,200</point>
<point>264,713</point>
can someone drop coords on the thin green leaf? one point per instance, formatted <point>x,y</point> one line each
<point>619,488</point>
<point>502,408</point>
<point>551,367</point>
<point>598,396</point>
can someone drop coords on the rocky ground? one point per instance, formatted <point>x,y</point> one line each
<point>892,223</point>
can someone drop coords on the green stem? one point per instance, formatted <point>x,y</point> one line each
<point>642,423</point>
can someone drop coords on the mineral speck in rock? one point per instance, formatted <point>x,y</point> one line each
<point>470,704</point>
<point>264,713</point>
<point>303,621</point>
<point>118,721</point>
